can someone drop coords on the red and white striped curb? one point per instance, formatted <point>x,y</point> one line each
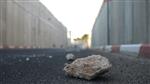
<point>141,50</point>
<point>19,47</point>
<point>12,47</point>
<point>15,47</point>
<point>1,47</point>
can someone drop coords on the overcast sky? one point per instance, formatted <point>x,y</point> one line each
<point>77,15</point>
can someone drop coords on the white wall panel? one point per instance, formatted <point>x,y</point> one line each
<point>29,23</point>
<point>128,23</point>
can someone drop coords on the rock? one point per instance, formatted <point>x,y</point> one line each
<point>50,57</point>
<point>27,59</point>
<point>70,57</point>
<point>88,67</point>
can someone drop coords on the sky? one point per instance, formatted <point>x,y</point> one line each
<point>77,15</point>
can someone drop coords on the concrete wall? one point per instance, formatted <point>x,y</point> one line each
<point>128,23</point>
<point>100,33</point>
<point>2,23</point>
<point>28,23</point>
<point>140,21</point>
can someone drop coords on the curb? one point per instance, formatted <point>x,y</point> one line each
<point>15,47</point>
<point>140,50</point>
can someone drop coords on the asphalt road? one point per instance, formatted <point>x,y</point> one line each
<point>46,67</point>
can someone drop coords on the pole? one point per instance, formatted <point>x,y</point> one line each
<point>70,35</point>
<point>108,28</point>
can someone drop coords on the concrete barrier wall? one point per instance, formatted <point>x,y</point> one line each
<point>136,50</point>
<point>127,23</point>
<point>29,24</point>
<point>100,33</point>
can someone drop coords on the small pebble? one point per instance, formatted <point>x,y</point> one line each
<point>27,59</point>
<point>50,57</point>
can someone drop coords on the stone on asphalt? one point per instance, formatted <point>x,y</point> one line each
<point>27,59</point>
<point>50,57</point>
<point>70,57</point>
<point>88,67</point>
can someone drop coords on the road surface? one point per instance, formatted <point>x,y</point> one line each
<point>46,67</point>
